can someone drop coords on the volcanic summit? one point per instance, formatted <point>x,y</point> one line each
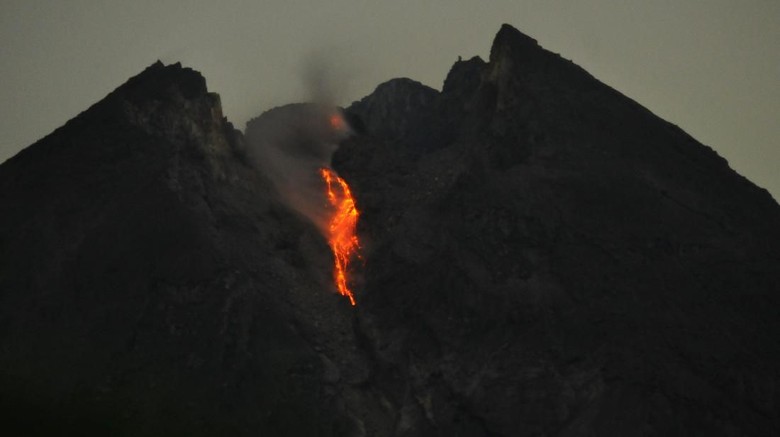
<point>539,255</point>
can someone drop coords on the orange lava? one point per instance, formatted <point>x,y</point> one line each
<point>342,236</point>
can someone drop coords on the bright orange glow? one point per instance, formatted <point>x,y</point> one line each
<point>342,236</point>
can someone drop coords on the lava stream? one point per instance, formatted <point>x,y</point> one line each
<point>342,236</point>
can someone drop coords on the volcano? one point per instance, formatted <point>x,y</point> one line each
<point>540,255</point>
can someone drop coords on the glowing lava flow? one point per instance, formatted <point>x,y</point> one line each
<point>343,239</point>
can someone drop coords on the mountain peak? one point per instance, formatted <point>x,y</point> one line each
<point>510,41</point>
<point>394,107</point>
<point>157,78</point>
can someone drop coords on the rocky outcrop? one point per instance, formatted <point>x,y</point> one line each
<point>398,111</point>
<point>541,256</point>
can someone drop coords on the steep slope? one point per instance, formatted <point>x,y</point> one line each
<point>559,261</point>
<point>152,283</point>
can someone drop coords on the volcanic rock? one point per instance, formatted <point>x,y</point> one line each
<point>154,284</point>
<point>568,264</point>
<point>541,256</point>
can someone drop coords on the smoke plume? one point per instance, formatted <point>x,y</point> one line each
<point>291,143</point>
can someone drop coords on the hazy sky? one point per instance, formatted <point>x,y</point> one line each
<point>710,66</point>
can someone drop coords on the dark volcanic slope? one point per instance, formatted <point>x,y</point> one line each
<point>543,256</point>
<point>559,261</point>
<point>152,285</point>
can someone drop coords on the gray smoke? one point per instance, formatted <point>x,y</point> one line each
<point>289,144</point>
<point>326,76</point>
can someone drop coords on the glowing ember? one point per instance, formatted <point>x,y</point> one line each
<point>343,239</point>
<point>337,122</point>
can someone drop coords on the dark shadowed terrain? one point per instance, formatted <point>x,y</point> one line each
<point>542,256</point>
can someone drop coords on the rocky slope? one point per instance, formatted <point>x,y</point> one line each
<point>542,256</point>
<point>153,284</point>
<point>567,263</point>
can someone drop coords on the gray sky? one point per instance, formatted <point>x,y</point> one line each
<point>710,66</point>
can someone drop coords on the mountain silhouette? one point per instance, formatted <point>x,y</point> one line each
<point>541,255</point>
